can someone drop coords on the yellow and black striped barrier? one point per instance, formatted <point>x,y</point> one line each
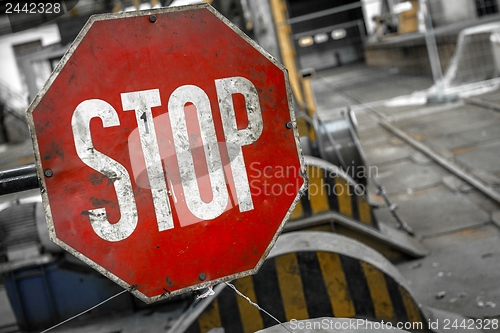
<point>334,202</point>
<point>307,285</point>
<point>310,275</point>
<point>328,191</point>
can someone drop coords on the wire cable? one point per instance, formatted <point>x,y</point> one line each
<point>81,313</point>
<point>256,305</point>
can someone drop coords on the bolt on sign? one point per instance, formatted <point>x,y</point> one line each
<point>167,150</point>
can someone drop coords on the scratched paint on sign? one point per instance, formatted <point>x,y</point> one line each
<point>154,146</point>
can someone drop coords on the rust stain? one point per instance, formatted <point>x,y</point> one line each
<point>99,202</point>
<point>95,179</point>
<point>26,159</point>
<point>53,151</point>
<point>459,151</point>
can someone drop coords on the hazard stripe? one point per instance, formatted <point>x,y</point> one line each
<point>229,312</point>
<point>411,307</point>
<point>318,192</point>
<point>364,211</point>
<point>357,286</point>
<point>397,300</point>
<point>327,193</point>
<point>210,318</point>
<point>267,292</point>
<point>303,127</point>
<point>306,204</point>
<point>117,7</point>
<point>332,198</point>
<point>354,203</point>
<point>336,284</point>
<point>381,299</point>
<point>290,284</point>
<point>315,289</point>
<point>298,212</point>
<point>309,284</point>
<point>251,321</point>
<point>343,197</point>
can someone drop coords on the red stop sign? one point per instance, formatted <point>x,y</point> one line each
<point>167,150</point>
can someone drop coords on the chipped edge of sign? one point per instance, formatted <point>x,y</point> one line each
<point>45,199</point>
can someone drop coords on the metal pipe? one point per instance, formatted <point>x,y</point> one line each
<point>488,191</point>
<point>323,13</point>
<point>18,179</point>
<point>483,104</point>
<point>31,168</point>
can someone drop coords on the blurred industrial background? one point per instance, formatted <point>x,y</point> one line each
<point>407,86</point>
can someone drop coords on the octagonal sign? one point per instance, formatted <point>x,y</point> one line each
<point>167,150</point>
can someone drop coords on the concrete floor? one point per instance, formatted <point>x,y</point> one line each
<point>450,218</point>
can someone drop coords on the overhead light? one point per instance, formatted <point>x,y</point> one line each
<point>306,41</point>
<point>339,34</point>
<point>320,38</point>
<point>402,7</point>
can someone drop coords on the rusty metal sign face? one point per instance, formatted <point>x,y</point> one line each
<point>167,150</point>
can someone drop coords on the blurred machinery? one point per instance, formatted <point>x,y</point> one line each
<point>24,239</point>
<point>45,284</point>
